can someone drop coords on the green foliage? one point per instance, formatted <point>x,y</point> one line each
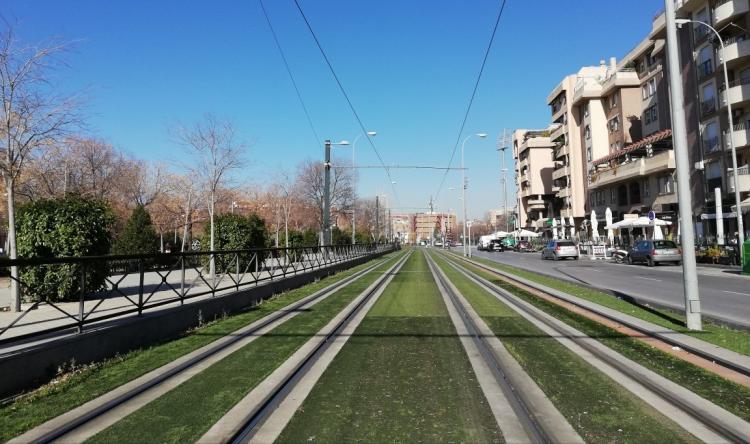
<point>235,232</point>
<point>70,226</point>
<point>139,235</point>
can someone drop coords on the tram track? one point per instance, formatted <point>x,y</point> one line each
<point>248,416</point>
<point>93,416</point>
<point>700,417</point>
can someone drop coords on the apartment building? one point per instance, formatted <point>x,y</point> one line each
<point>426,226</point>
<point>708,124</point>
<point>533,151</point>
<point>401,228</point>
<point>636,175</point>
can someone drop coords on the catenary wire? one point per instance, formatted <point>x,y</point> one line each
<point>473,94</point>
<point>289,71</point>
<point>346,96</point>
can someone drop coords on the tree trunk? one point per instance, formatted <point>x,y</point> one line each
<point>161,241</point>
<point>15,289</point>
<point>188,210</point>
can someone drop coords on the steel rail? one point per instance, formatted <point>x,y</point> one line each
<point>287,311</point>
<point>700,415</point>
<point>251,426</point>
<point>517,401</point>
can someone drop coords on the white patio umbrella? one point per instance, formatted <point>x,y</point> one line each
<point>594,226</point>
<point>572,226</point>
<point>658,235</point>
<point>554,228</point>
<point>524,233</point>
<point>562,227</point>
<point>608,219</point>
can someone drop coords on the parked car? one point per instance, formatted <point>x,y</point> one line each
<point>653,252</point>
<point>524,247</point>
<point>496,245</point>
<point>560,249</point>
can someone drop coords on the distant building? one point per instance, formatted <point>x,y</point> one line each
<point>431,226</point>
<point>532,151</point>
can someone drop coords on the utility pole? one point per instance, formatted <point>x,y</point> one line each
<point>327,195</point>
<point>431,219</point>
<point>503,145</point>
<point>682,163</point>
<point>377,218</point>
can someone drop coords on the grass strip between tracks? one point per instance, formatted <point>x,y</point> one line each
<point>86,383</point>
<point>402,377</point>
<point>721,335</point>
<point>598,408</point>
<point>185,413</point>
<point>727,394</point>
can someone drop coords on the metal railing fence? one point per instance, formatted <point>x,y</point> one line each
<point>70,292</point>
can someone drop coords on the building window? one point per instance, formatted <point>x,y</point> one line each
<point>586,110</point>
<point>612,196</point>
<point>587,132</point>
<point>649,89</point>
<point>666,184</point>
<point>710,137</point>
<point>646,188</point>
<point>613,101</point>
<point>622,195</point>
<point>635,193</point>
<point>613,124</point>
<point>650,115</point>
<point>589,154</point>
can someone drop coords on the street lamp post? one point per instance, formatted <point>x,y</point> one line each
<point>354,205</point>
<point>740,224</point>
<point>682,166</point>
<point>463,182</point>
<point>327,191</point>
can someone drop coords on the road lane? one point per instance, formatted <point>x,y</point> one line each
<point>724,293</point>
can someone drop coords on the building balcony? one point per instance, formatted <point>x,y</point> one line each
<point>555,189</point>
<point>621,78</point>
<point>558,132</point>
<point>740,135</point>
<point>562,151</point>
<point>644,166</point>
<point>523,164</point>
<point>738,94</point>
<point>737,51</point>
<point>560,173</point>
<point>536,204</point>
<point>744,179</point>
<point>725,10</point>
<point>586,89</point>
<point>563,193</point>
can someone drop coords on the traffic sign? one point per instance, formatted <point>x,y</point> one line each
<point>651,215</point>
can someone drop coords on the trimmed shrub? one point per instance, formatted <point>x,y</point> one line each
<point>139,235</point>
<point>235,232</point>
<point>70,226</point>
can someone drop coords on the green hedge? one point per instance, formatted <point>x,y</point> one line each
<point>70,226</point>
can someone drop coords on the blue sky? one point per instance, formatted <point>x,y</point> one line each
<point>408,66</point>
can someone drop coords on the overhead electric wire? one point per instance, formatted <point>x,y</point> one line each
<point>473,94</point>
<point>289,71</point>
<point>346,96</point>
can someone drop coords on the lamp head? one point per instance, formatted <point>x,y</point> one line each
<point>482,135</point>
<point>343,142</point>
<point>372,133</point>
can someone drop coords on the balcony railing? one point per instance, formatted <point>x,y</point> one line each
<point>705,69</point>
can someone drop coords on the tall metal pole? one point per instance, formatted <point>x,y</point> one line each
<point>504,171</point>
<point>463,193</point>
<point>431,223</point>
<point>377,218</point>
<point>682,161</point>
<point>327,195</point>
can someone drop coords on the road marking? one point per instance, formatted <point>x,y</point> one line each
<point>736,292</point>
<point>648,279</point>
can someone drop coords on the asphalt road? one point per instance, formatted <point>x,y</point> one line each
<point>724,294</point>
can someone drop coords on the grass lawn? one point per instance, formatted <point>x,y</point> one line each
<point>402,377</point>
<point>598,408</point>
<point>185,413</point>
<point>729,395</point>
<point>729,338</point>
<point>85,384</point>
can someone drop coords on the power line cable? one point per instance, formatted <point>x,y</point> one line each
<point>289,71</point>
<point>473,94</point>
<point>346,96</point>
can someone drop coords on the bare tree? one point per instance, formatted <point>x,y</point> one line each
<point>187,194</point>
<point>215,152</point>
<point>33,118</point>
<point>310,179</point>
